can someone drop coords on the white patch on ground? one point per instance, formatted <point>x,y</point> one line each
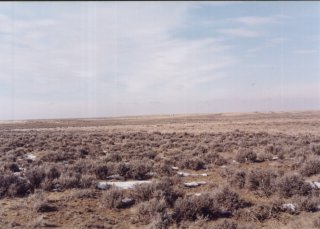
<point>275,158</point>
<point>194,184</point>
<point>126,184</point>
<point>31,157</point>
<point>103,185</point>
<point>314,184</point>
<point>317,184</point>
<point>289,206</point>
<point>185,174</point>
<point>175,168</point>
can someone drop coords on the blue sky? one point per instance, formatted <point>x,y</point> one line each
<point>95,59</point>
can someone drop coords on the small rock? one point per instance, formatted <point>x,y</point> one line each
<point>102,185</point>
<point>57,188</point>
<point>274,158</point>
<point>191,184</point>
<point>127,202</point>
<point>194,184</point>
<point>175,168</point>
<point>198,194</point>
<point>289,206</point>
<point>31,157</point>
<point>183,174</point>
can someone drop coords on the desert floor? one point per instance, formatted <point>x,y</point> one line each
<point>256,170</point>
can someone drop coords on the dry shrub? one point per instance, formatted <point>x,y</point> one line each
<point>200,149</point>
<point>53,173</point>
<point>113,157</point>
<point>121,168</point>
<point>13,167</point>
<point>83,166</point>
<point>227,224</point>
<point>149,209</point>
<point>308,204</point>
<point>101,171</point>
<point>215,158</point>
<point>40,203</point>
<point>136,169</point>
<point>151,155</point>
<point>140,170</point>
<point>193,207</point>
<point>244,156</point>
<point>57,156</point>
<point>164,169</point>
<point>259,212</point>
<point>262,181</point>
<point>71,180</point>
<point>50,185</point>
<point>228,200</point>
<point>315,148</point>
<point>112,198</point>
<point>264,157</point>
<point>144,192</point>
<point>46,207</point>
<point>238,179</point>
<point>316,223</point>
<point>311,167</point>
<point>36,176</point>
<point>160,220</point>
<point>293,184</point>
<point>194,163</point>
<point>262,212</point>
<point>14,186</point>
<point>84,194</point>
<point>246,226</point>
<point>163,189</point>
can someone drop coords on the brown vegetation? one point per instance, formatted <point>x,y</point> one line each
<point>249,178</point>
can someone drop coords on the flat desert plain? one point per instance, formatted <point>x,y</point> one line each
<point>224,171</point>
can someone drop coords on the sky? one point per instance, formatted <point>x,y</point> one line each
<point>103,59</point>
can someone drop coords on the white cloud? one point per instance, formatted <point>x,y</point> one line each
<point>127,49</point>
<point>253,21</point>
<point>278,40</point>
<point>112,58</point>
<point>241,32</point>
<point>306,51</point>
